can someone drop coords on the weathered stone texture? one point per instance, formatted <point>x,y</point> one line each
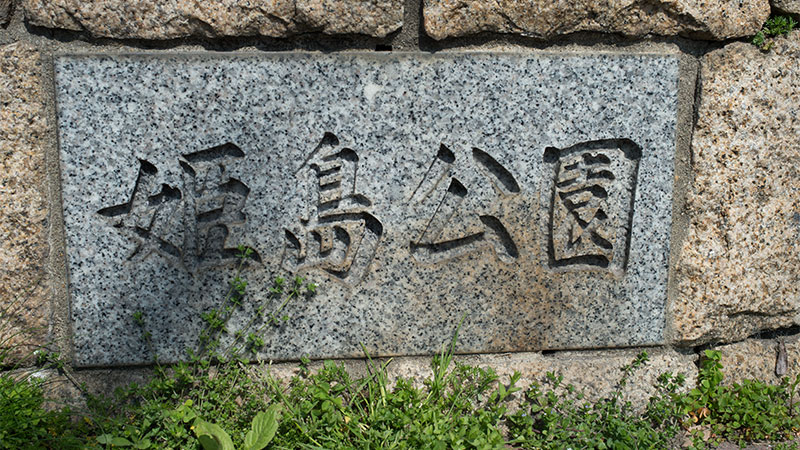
<point>754,359</point>
<point>787,6</point>
<point>715,19</point>
<point>5,11</point>
<point>739,271</point>
<point>400,268</point>
<point>168,19</point>
<point>24,305</point>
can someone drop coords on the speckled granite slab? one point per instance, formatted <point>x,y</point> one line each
<point>531,194</point>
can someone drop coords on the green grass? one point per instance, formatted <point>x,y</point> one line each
<point>559,418</point>
<point>24,422</point>
<point>219,401</point>
<point>459,406</point>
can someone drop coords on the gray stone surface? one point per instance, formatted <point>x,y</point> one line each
<point>414,189</point>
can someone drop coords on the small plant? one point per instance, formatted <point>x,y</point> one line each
<point>216,318</point>
<point>138,319</point>
<point>173,409</point>
<point>558,416</point>
<point>25,422</point>
<point>196,402</point>
<point>249,336</point>
<point>774,27</point>
<point>743,412</point>
<point>14,352</point>
<point>459,407</point>
<point>262,430</point>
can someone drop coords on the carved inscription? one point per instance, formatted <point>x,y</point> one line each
<point>190,223</point>
<point>337,233</point>
<point>588,193</point>
<point>463,208</point>
<point>592,189</point>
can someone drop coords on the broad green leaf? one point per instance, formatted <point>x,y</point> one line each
<point>263,429</point>
<point>108,439</point>
<point>121,442</point>
<point>211,436</point>
<point>208,443</point>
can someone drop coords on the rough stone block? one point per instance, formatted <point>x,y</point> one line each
<point>170,19</point>
<point>756,359</point>
<point>787,6</point>
<point>5,11</point>
<point>740,263</point>
<point>715,19</point>
<point>531,195</point>
<point>24,300</point>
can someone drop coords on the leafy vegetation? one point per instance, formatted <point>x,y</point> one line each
<point>24,423</point>
<point>233,405</point>
<point>219,401</point>
<point>550,420</point>
<point>230,405</point>
<point>752,410</point>
<point>459,408</point>
<point>774,27</point>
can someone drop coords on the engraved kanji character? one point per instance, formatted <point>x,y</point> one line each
<point>188,224</point>
<point>463,220</point>
<point>213,202</point>
<point>149,216</point>
<point>337,233</point>
<point>592,203</point>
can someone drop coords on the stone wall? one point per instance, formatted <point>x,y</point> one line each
<point>735,260</point>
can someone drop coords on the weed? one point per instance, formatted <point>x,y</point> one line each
<point>262,430</point>
<point>24,422</point>
<point>219,401</point>
<point>458,407</point>
<point>217,407</point>
<point>775,26</point>
<point>162,413</point>
<point>12,346</point>
<point>249,336</point>
<point>216,318</point>
<point>747,411</point>
<point>191,404</point>
<point>557,416</point>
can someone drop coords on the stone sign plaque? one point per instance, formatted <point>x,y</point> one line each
<point>529,194</point>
